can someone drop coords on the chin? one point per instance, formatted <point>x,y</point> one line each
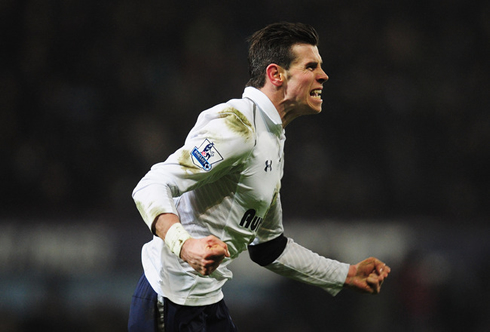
<point>315,110</point>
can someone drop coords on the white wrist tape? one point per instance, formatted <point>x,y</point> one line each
<point>175,238</point>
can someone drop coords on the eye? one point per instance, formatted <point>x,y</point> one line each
<point>312,66</point>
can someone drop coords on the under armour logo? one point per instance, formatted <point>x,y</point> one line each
<point>268,165</point>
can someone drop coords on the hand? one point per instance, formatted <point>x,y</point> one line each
<point>204,255</point>
<point>367,276</point>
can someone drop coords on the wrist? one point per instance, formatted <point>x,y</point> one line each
<point>175,238</point>
<point>350,275</point>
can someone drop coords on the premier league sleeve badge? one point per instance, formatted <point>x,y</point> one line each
<point>205,155</point>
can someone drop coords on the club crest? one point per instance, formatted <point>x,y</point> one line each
<point>205,155</point>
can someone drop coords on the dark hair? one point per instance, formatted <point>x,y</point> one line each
<point>273,44</point>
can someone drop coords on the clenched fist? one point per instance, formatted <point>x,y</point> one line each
<point>367,276</point>
<point>204,255</point>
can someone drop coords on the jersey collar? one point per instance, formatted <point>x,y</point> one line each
<point>267,107</point>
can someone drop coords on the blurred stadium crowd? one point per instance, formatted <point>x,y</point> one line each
<point>95,92</point>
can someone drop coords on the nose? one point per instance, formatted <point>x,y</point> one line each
<point>323,77</point>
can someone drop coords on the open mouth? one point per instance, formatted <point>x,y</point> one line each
<point>316,93</point>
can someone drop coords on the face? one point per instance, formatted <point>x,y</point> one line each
<point>305,79</point>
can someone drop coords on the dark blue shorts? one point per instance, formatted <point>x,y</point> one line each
<point>145,314</point>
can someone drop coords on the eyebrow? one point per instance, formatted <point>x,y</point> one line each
<point>312,63</point>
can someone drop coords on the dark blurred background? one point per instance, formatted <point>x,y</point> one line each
<point>95,92</point>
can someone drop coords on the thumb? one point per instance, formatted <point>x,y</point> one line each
<point>220,249</point>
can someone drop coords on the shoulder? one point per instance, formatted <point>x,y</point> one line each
<point>236,116</point>
<point>227,129</point>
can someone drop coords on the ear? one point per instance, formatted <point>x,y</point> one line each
<point>275,74</point>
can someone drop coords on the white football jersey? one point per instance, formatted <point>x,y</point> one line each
<point>224,181</point>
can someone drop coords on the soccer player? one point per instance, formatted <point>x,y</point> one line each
<point>218,195</point>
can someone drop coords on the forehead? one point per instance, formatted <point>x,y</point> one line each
<point>305,53</point>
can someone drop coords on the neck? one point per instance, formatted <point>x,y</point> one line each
<point>287,111</point>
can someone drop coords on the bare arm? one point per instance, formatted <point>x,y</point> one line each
<point>203,255</point>
<point>162,223</point>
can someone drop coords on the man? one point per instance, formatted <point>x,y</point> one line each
<point>218,196</point>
